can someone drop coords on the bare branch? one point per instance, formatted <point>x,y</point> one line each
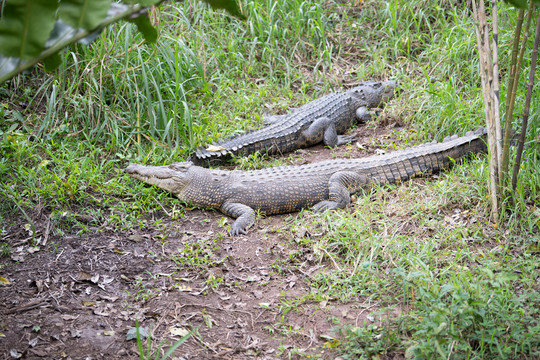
<point>528,97</point>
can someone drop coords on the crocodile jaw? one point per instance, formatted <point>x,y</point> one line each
<point>173,178</point>
<point>388,90</point>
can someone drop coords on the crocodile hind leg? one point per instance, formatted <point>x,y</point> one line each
<point>245,216</point>
<point>340,187</point>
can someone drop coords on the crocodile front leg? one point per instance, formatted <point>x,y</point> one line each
<point>244,215</point>
<point>362,115</point>
<point>322,129</point>
<point>340,187</point>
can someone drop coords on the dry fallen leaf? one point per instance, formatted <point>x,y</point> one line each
<point>177,331</point>
<point>107,279</point>
<point>108,333</point>
<point>184,288</point>
<point>84,276</point>
<point>88,303</point>
<point>33,249</point>
<point>215,148</point>
<point>135,238</point>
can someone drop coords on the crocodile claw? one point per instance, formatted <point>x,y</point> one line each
<point>238,229</point>
<point>345,139</point>
<point>324,205</point>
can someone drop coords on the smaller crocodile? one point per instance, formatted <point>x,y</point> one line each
<point>321,120</point>
<point>322,185</point>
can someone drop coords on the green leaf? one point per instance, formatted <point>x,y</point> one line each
<point>52,62</point>
<point>144,3</point>
<point>521,4</point>
<point>230,5</point>
<point>25,27</point>
<point>83,14</point>
<point>145,27</point>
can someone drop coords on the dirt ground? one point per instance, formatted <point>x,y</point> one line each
<point>77,297</point>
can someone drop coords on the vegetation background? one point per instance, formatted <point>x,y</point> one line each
<point>464,287</point>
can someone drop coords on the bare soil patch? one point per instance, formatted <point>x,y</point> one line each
<point>77,296</point>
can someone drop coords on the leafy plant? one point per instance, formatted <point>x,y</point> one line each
<point>35,30</point>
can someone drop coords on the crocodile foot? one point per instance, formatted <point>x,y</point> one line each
<point>345,139</point>
<point>237,229</point>
<point>324,205</point>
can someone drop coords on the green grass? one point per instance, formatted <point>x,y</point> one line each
<point>425,250</point>
<point>460,289</point>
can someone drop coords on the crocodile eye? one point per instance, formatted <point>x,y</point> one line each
<point>179,166</point>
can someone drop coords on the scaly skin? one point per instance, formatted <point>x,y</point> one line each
<point>323,185</point>
<point>322,120</point>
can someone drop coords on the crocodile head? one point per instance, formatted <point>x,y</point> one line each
<point>372,93</point>
<point>174,178</point>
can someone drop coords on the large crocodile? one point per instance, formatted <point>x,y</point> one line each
<point>322,185</point>
<point>321,120</point>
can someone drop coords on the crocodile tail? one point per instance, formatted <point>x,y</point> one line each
<point>427,158</point>
<point>480,133</point>
<point>205,157</point>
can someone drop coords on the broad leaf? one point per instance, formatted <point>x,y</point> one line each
<point>25,26</point>
<point>83,14</point>
<point>145,27</point>
<point>230,5</point>
<point>52,62</point>
<point>61,35</point>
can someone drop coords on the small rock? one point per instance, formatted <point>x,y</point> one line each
<point>132,333</point>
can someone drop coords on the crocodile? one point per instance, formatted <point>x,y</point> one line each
<point>320,185</point>
<point>322,120</point>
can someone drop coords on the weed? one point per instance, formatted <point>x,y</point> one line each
<point>197,254</point>
<point>5,249</point>
<point>213,282</point>
<point>148,354</point>
<point>142,292</point>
